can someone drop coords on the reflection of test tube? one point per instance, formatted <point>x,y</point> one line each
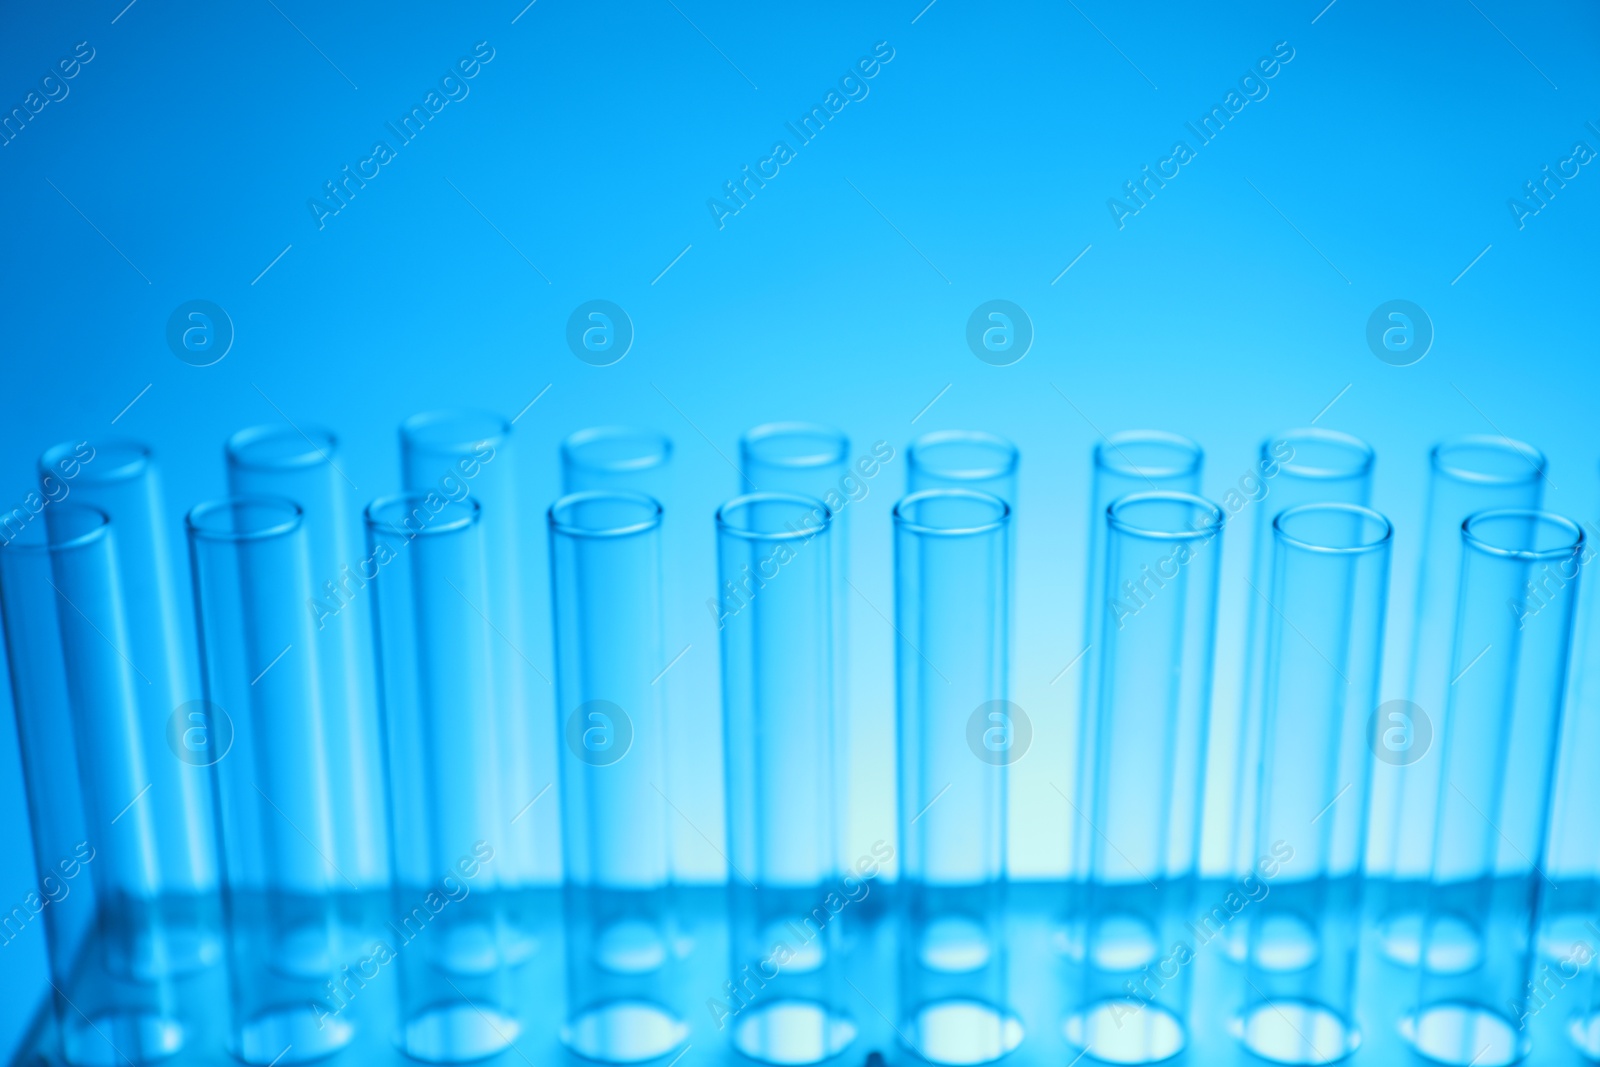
<point>1133,461</point>
<point>1466,475</point>
<point>1304,466</point>
<point>300,466</point>
<point>457,454</point>
<point>626,459</point>
<point>282,891</point>
<point>958,734</point>
<point>963,459</point>
<point>121,479</point>
<point>783,998</point>
<point>1140,801</point>
<point>56,587</point>
<point>1513,635</point>
<point>605,559</point>
<point>446,808</point>
<point>1322,653</point>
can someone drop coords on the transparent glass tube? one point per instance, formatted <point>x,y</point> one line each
<point>627,459</point>
<point>284,898</point>
<point>458,455</point>
<point>782,1006</point>
<point>1466,475</point>
<point>1132,461</point>
<point>121,479</point>
<point>622,969</point>
<point>1322,655</point>
<point>814,461</point>
<point>957,738</point>
<point>301,465</point>
<point>1513,637</point>
<point>964,459</point>
<point>1140,805</point>
<point>1304,466</point>
<point>447,811</point>
<point>114,999</point>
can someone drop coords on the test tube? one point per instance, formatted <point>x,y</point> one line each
<point>963,459</point>
<point>446,806</point>
<point>622,972</point>
<point>1513,637</point>
<point>628,459</point>
<point>1139,804</point>
<point>121,479</point>
<point>1132,461</point>
<point>958,735</point>
<point>284,897</point>
<point>1303,466</point>
<point>1322,654</point>
<point>1466,475</point>
<point>301,465</point>
<point>814,461</point>
<point>782,1002</point>
<point>461,454</point>
<point>96,875</point>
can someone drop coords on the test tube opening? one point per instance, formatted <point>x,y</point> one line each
<point>1484,459</point>
<point>1324,455</point>
<point>1153,454</point>
<point>964,455</point>
<point>617,449</point>
<point>281,448</point>
<point>793,446</point>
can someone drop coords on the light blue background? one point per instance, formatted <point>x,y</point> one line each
<point>978,167</point>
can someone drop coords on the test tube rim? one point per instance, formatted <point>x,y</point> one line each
<point>90,474</point>
<point>43,544</point>
<point>726,525</point>
<point>321,442</point>
<point>588,435</point>
<point>1217,516</point>
<point>193,522</point>
<point>369,514</point>
<point>758,434</point>
<point>1535,459</point>
<point>559,526</point>
<point>1471,539</point>
<point>1013,456</point>
<point>902,521</point>
<point>1104,461</point>
<point>1368,455</point>
<point>1385,527</point>
<point>414,425</point>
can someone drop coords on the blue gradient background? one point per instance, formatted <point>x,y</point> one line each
<point>978,167</point>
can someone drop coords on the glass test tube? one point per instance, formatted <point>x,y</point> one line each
<point>284,898</point>
<point>626,459</point>
<point>1466,475</point>
<point>605,559</point>
<point>1303,466</point>
<point>446,805</point>
<point>1132,461</point>
<point>814,461</point>
<point>783,1000</point>
<point>1322,655</point>
<point>1513,636</point>
<point>462,454</point>
<point>963,459</point>
<point>94,873</point>
<point>121,479</point>
<point>958,734</point>
<point>301,465</point>
<point>1140,803</point>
